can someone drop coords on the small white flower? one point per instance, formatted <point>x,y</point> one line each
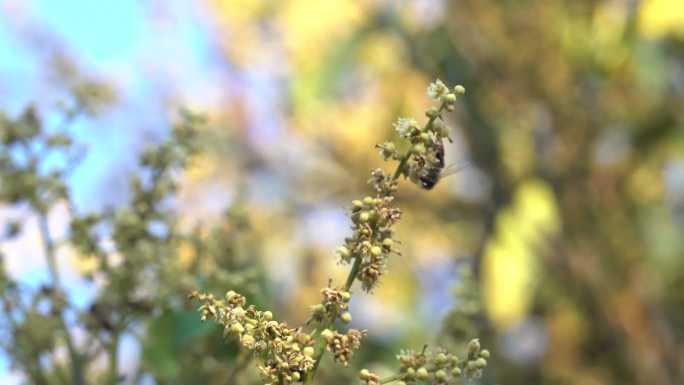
<point>405,126</point>
<point>437,89</point>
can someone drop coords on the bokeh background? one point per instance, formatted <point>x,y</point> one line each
<point>569,213</point>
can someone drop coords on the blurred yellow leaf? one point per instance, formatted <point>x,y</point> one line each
<point>510,263</point>
<point>660,17</point>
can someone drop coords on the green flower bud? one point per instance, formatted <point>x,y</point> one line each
<point>309,351</point>
<point>410,374</point>
<point>440,375</point>
<point>357,204</point>
<point>422,373</point>
<point>368,201</point>
<point>296,376</point>
<point>268,315</point>
<point>364,216</point>
<point>480,363</point>
<point>238,312</point>
<point>450,98</point>
<point>437,125</point>
<point>459,89</point>
<point>456,372</point>
<point>327,335</point>
<point>473,347</point>
<point>387,242</point>
<point>472,365</point>
<point>432,112</point>
<point>364,374</point>
<point>236,328</point>
<point>248,341</point>
<point>346,296</point>
<point>418,149</point>
<point>346,317</point>
<point>318,309</point>
<point>441,359</point>
<point>372,215</point>
<point>424,137</point>
<point>484,353</point>
<point>376,251</point>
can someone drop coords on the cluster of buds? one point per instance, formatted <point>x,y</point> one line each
<point>342,345</point>
<point>289,351</point>
<point>442,368</point>
<point>368,377</point>
<point>335,304</point>
<point>371,241</point>
<point>476,359</point>
<point>426,158</point>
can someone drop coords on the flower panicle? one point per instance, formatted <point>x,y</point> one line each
<point>289,351</point>
<point>438,368</point>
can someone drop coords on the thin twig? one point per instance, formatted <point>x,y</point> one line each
<point>50,254</point>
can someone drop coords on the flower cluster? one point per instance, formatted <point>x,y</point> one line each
<point>342,345</point>
<point>289,352</point>
<point>289,355</point>
<point>368,377</point>
<point>334,305</point>
<point>426,160</point>
<point>441,368</point>
<point>371,242</point>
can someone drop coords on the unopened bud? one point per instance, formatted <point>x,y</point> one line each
<point>327,335</point>
<point>346,317</point>
<point>236,328</point>
<point>308,351</point>
<point>418,148</point>
<point>422,373</point>
<point>473,347</point>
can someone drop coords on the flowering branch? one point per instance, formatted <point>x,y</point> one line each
<point>289,354</point>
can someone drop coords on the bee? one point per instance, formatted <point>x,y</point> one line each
<point>437,171</point>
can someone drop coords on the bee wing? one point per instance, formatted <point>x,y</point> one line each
<point>453,169</point>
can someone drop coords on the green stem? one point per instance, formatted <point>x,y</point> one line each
<point>358,260</point>
<point>353,273</point>
<point>114,359</point>
<point>77,372</point>
<point>391,379</point>
<point>401,166</point>
<point>242,361</point>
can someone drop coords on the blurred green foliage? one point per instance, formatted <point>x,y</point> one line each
<point>569,213</point>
